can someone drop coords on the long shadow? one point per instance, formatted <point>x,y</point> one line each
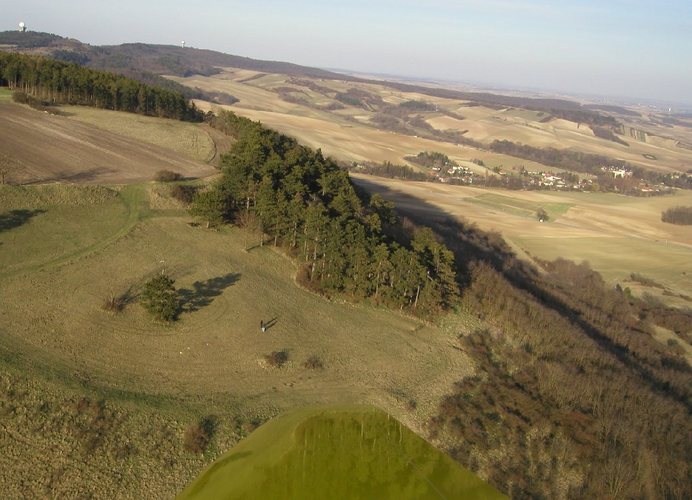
<point>269,324</point>
<point>468,243</point>
<point>17,218</point>
<point>203,293</point>
<point>88,175</point>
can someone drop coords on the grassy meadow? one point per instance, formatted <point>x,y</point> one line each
<point>117,391</point>
<point>52,223</point>
<point>519,207</point>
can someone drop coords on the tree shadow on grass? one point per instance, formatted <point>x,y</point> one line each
<point>203,292</point>
<point>17,218</point>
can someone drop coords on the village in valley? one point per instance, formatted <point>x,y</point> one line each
<point>475,172</point>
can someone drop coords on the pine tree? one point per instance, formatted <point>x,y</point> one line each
<point>160,299</point>
<point>212,206</point>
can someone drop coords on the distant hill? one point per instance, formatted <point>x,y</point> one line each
<point>36,40</point>
<point>142,61</point>
<point>157,59</point>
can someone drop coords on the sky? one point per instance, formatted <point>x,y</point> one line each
<point>616,48</point>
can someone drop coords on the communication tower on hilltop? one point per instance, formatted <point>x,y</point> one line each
<point>22,26</point>
<point>182,44</point>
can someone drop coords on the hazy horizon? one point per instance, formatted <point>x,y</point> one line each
<point>626,49</point>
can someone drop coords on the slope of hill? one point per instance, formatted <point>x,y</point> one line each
<point>556,385</point>
<point>87,393</point>
<point>41,147</point>
<point>337,452</point>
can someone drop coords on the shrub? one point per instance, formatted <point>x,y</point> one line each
<point>160,299</point>
<point>199,435</point>
<point>313,363</point>
<point>183,193</point>
<point>30,100</point>
<point>276,359</point>
<point>114,303</point>
<point>250,426</point>
<point>678,215</point>
<point>643,280</point>
<point>167,176</point>
<point>675,346</point>
<point>244,427</point>
<point>303,274</point>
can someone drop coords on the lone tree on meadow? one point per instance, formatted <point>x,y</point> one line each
<point>159,297</point>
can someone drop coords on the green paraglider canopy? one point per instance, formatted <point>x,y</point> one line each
<point>337,452</point>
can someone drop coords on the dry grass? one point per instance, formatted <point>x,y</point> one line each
<point>152,377</point>
<point>188,139</point>
<point>30,197</point>
<point>350,141</point>
<point>63,441</point>
<point>215,344</point>
<point>345,134</point>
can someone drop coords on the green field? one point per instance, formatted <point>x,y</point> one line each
<point>519,207</point>
<point>616,258</point>
<point>53,223</point>
<point>618,235</point>
<point>337,452</point>
<point>5,94</point>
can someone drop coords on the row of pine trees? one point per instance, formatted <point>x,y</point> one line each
<point>343,242</point>
<point>57,82</point>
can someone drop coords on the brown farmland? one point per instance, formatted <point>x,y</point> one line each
<point>53,148</point>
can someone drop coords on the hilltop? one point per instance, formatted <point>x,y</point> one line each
<point>133,58</point>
